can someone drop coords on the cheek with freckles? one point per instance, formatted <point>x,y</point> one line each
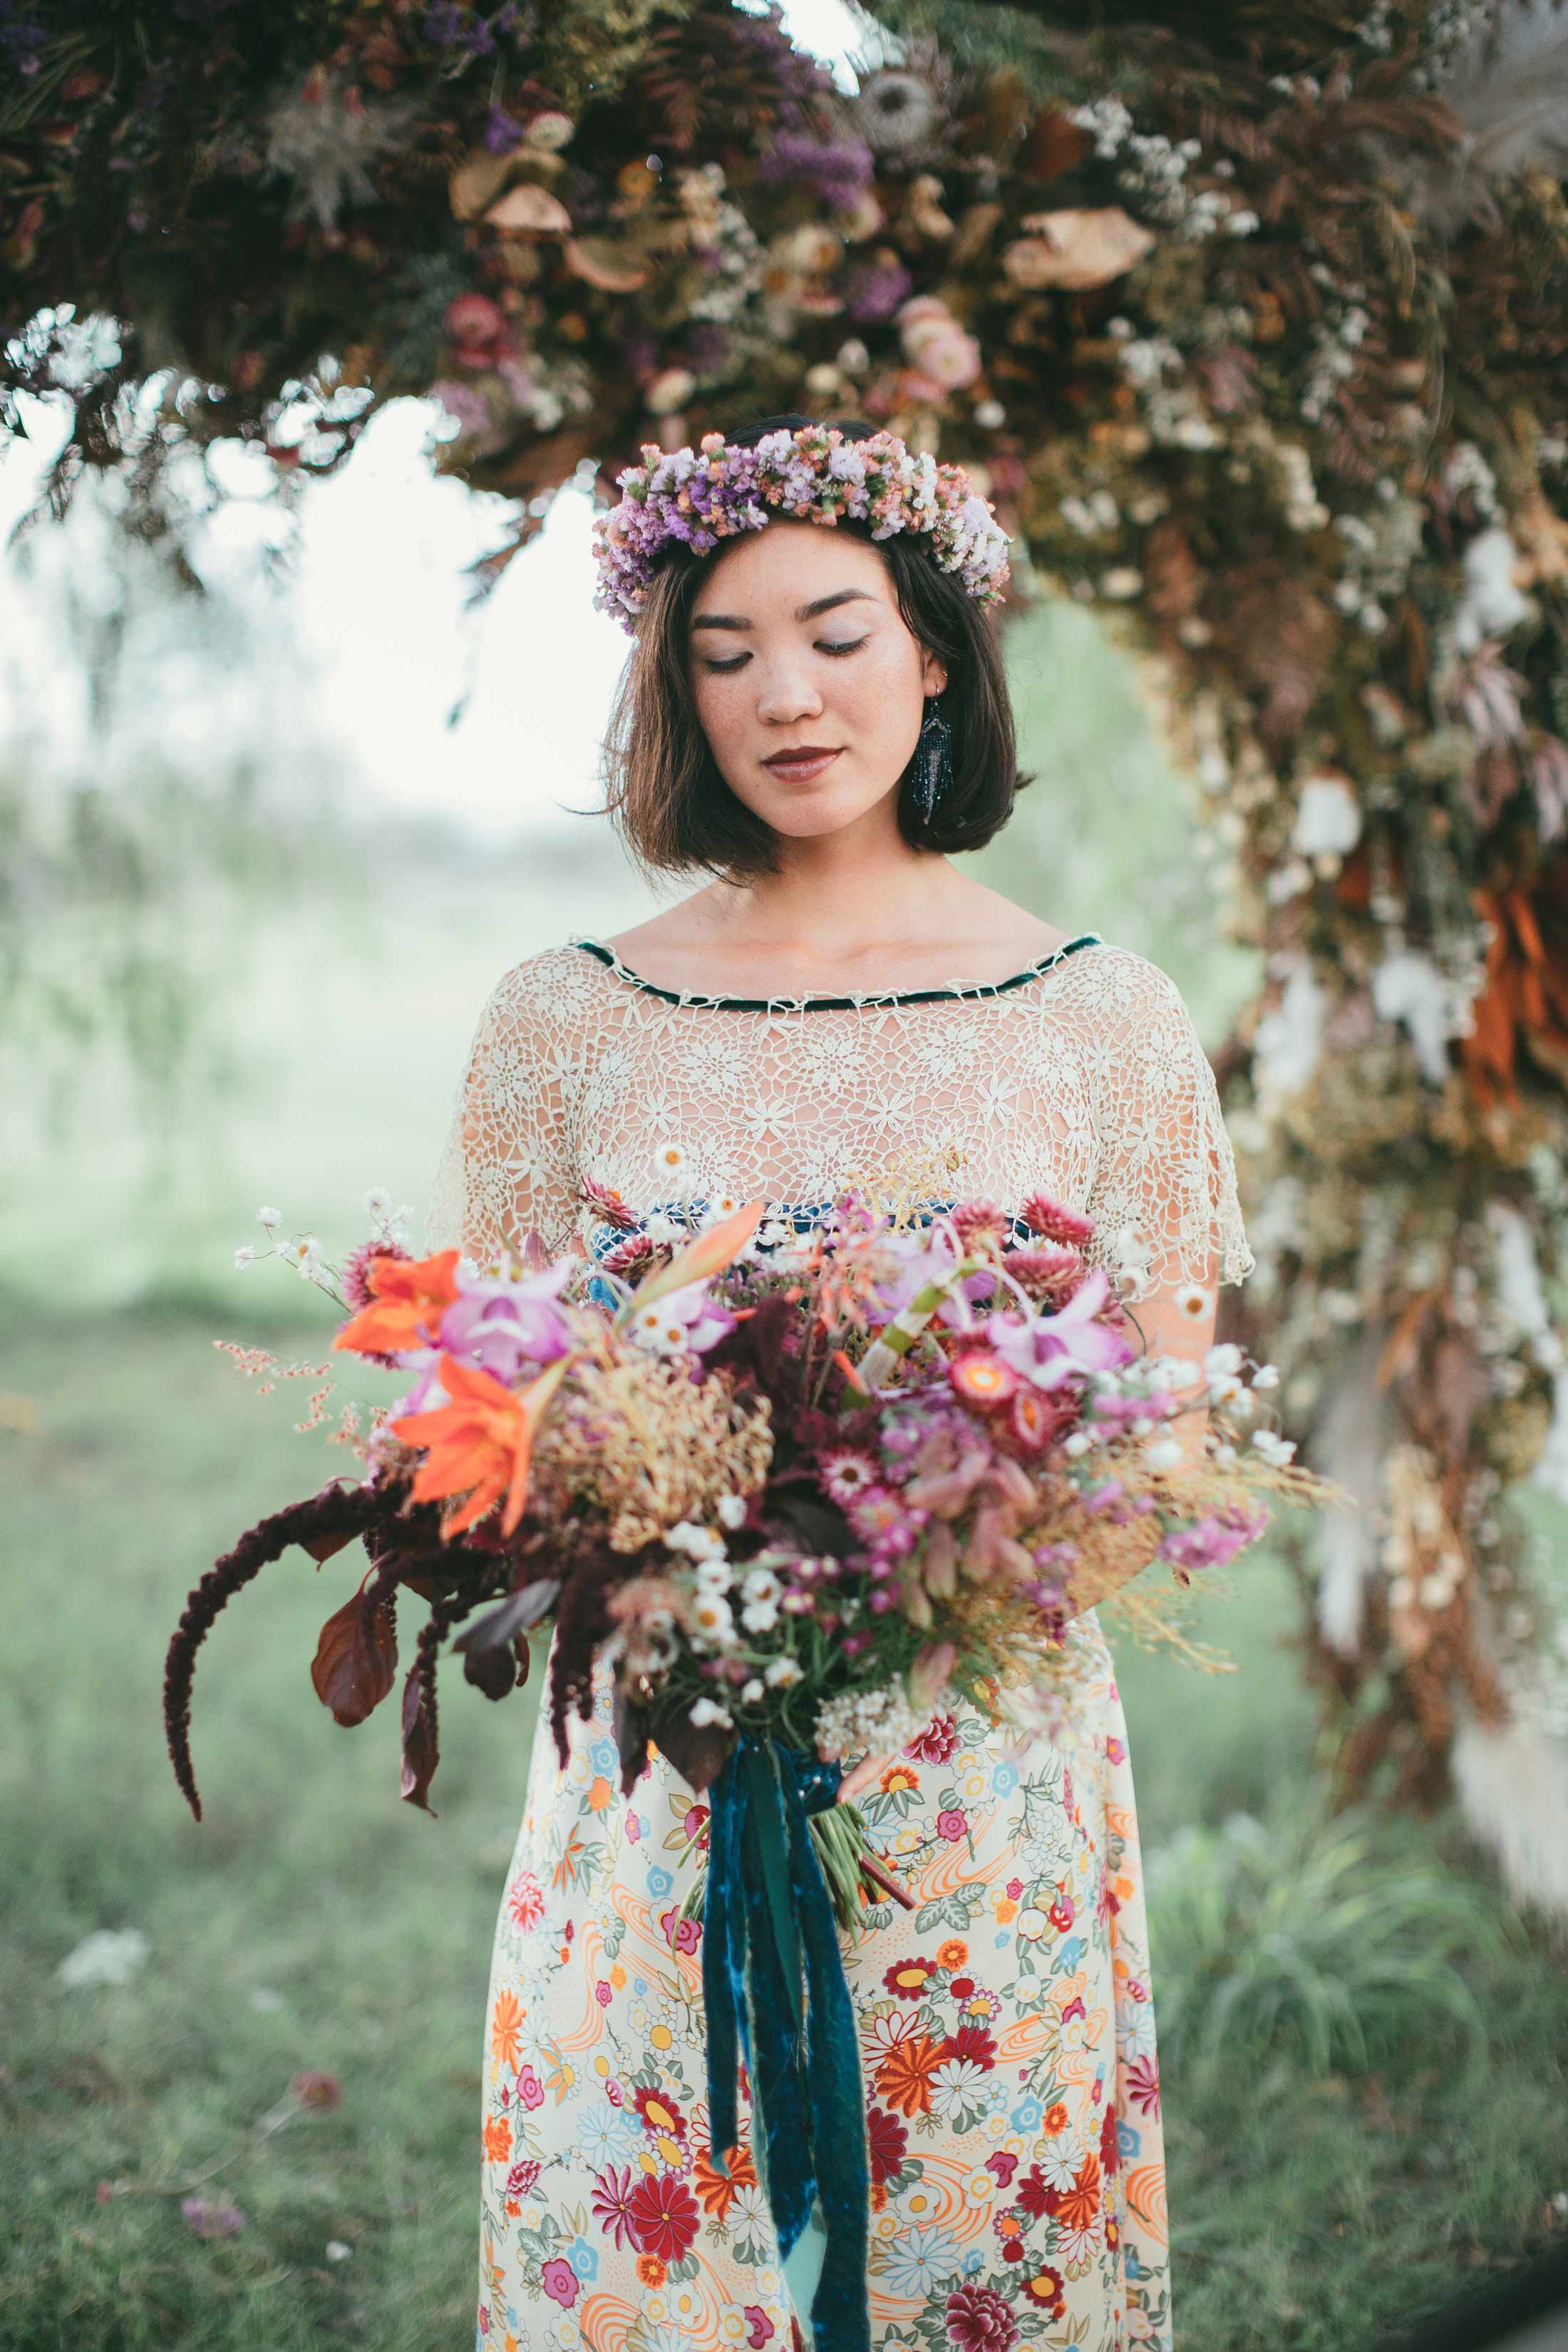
<point>872,701</point>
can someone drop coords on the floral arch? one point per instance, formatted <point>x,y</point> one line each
<point>1254,324</point>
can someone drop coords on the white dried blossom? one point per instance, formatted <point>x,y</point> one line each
<point>779,1671</point>
<point>1275,1449</point>
<point>867,1722</point>
<point>270,1218</point>
<point>704,1711</point>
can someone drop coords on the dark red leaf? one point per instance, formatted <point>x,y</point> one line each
<point>421,1753</point>
<point>321,1547</point>
<point>516,1613</point>
<point>355,1663</point>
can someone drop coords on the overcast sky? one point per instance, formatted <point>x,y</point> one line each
<point>382,649</point>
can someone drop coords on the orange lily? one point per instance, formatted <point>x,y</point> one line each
<point>408,1295</point>
<point>483,1440</point>
<point>709,1254</point>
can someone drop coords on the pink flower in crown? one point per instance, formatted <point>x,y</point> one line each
<point>1051,1349</point>
<point>500,1324</point>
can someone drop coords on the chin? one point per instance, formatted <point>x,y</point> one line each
<point>805,814</point>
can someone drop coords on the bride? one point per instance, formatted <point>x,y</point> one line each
<point>814,720</point>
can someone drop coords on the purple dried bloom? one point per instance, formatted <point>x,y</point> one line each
<point>502,131</point>
<point>876,288</point>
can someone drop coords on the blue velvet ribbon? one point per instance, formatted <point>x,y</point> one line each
<point>769,1933</point>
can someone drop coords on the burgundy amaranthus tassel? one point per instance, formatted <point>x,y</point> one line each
<point>337,1510</point>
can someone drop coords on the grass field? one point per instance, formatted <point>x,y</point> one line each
<point>313,1922</point>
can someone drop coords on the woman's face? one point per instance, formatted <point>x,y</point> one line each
<point>797,646</point>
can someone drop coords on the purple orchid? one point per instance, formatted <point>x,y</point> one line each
<point>1051,1349</point>
<point>500,1324</point>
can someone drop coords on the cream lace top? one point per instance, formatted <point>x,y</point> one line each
<point>1082,1076</point>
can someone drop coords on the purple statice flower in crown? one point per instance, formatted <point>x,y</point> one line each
<point>812,474</point>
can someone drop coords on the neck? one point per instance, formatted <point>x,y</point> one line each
<point>835,899</point>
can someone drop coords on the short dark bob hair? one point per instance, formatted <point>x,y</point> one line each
<point>663,787</point>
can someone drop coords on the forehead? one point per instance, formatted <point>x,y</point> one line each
<point>786,563</point>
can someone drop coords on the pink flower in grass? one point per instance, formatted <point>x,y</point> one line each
<point>210,2220</point>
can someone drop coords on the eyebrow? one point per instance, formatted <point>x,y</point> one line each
<point>803,612</point>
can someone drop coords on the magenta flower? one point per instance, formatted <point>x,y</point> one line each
<point>1051,1349</point>
<point>559,2281</point>
<point>952,1825</point>
<point>529,2089</point>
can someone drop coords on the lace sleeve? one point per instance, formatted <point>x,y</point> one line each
<point>508,1167</point>
<point>1164,1163</point>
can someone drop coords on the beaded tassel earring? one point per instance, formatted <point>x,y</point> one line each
<point>932,768</point>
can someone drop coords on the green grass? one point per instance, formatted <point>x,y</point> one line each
<point>311,1921</point>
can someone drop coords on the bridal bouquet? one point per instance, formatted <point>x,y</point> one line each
<point>795,1490</point>
<point>799,1487</point>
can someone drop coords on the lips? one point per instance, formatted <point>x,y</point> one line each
<point>807,761</point>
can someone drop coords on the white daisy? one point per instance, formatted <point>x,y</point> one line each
<point>270,1218</point>
<point>1192,1301</point>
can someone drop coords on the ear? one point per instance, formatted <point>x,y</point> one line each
<point>933,674</point>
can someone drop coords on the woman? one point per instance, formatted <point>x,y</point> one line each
<point>817,720</point>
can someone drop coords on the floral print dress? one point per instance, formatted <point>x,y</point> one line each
<point>1005,2024</point>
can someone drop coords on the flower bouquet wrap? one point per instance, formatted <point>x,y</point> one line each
<point>795,1487</point>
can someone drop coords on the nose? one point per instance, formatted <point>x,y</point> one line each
<point>785,693</point>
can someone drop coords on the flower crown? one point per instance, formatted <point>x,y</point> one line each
<point>812,475</point>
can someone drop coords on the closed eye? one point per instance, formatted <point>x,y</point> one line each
<point>844,646</point>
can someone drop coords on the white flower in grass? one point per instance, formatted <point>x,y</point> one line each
<point>244,1256</point>
<point>781,1670</point>
<point>1274,1449</point>
<point>751,1692</point>
<point>1267,1376</point>
<point>760,1584</point>
<point>705,1711</point>
<point>270,1218</point>
<point>760,1616</point>
<point>1193,1302</point>
<point>730,1510</point>
<point>714,1575</point>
